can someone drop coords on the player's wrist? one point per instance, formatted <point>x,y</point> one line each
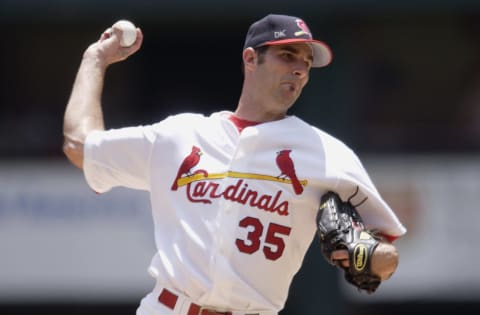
<point>93,57</point>
<point>385,260</point>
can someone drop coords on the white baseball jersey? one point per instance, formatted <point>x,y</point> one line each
<point>234,213</point>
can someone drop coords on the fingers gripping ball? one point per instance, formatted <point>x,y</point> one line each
<point>341,227</point>
<point>128,31</point>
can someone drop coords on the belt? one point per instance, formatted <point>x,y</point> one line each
<point>169,299</point>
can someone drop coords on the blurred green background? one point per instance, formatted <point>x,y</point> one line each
<point>404,81</point>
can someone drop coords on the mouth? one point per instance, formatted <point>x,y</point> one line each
<point>291,86</point>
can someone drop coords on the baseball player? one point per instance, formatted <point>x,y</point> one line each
<point>234,195</point>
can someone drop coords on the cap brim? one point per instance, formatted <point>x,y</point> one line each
<point>322,54</point>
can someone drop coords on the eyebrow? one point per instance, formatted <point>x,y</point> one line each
<point>295,51</point>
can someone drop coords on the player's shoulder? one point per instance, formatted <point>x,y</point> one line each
<point>339,156</point>
<point>180,121</point>
<point>185,117</point>
<point>327,140</point>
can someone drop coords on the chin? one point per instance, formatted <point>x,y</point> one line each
<point>290,101</point>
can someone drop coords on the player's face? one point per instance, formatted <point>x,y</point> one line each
<point>284,72</point>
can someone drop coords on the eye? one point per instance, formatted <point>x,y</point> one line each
<point>287,55</point>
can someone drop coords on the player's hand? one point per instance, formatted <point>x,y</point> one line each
<point>340,257</point>
<point>384,260</point>
<point>107,50</point>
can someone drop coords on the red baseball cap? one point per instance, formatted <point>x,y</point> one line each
<point>275,29</point>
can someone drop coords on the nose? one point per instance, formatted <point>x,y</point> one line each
<point>300,70</point>
<point>299,73</point>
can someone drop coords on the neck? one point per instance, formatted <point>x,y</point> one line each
<point>256,110</point>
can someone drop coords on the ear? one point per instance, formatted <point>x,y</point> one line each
<point>249,58</point>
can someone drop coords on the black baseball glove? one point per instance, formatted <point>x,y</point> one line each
<point>341,227</point>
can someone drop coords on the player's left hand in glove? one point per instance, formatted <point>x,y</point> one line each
<point>340,227</point>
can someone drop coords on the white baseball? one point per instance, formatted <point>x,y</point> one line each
<point>129,32</point>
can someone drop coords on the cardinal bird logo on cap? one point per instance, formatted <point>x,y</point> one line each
<point>188,163</point>
<point>304,29</point>
<point>287,169</point>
